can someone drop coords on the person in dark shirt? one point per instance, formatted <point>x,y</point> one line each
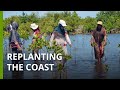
<point>98,40</point>
<point>14,38</point>
<point>15,43</point>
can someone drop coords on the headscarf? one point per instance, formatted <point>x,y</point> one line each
<point>14,36</point>
<point>60,29</point>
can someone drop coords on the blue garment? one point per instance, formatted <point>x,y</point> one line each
<point>12,26</point>
<point>14,36</point>
<point>60,29</point>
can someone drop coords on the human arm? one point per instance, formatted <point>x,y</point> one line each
<point>105,37</point>
<point>68,39</point>
<point>52,38</point>
<point>18,45</point>
<point>92,40</point>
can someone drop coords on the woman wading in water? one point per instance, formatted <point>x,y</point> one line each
<point>98,40</point>
<point>36,34</point>
<point>61,37</point>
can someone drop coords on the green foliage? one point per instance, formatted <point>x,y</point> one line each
<point>42,42</point>
<point>93,44</point>
<point>33,18</point>
<point>39,43</point>
<point>73,21</point>
<point>58,49</point>
<point>5,34</point>
<point>60,67</point>
<point>111,19</point>
<point>47,23</point>
<point>24,30</point>
<point>89,24</point>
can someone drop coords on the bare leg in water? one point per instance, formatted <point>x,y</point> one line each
<point>97,52</point>
<point>101,50</point>
<point>100,53</point>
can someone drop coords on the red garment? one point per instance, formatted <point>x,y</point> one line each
<point>37,34</point>
<point>13,45</point>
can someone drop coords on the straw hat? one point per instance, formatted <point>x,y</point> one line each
<point>99,22</point>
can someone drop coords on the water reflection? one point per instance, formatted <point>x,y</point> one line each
<point>101,70</point>
<point>81,66</point>
<point>17,75</point>
<point>62,74</point>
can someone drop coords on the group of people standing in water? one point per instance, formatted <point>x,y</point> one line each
<point>60,35</point>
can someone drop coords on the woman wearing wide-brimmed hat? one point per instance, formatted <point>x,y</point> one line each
<point>61,37</point>
<point>98,40</point>
<point>36,34</point>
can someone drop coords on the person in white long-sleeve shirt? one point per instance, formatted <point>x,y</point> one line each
<point>61,37</point>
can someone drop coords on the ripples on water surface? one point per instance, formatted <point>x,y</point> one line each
<point>82,65</point>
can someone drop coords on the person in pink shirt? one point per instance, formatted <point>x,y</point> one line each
<point>36,34</point>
